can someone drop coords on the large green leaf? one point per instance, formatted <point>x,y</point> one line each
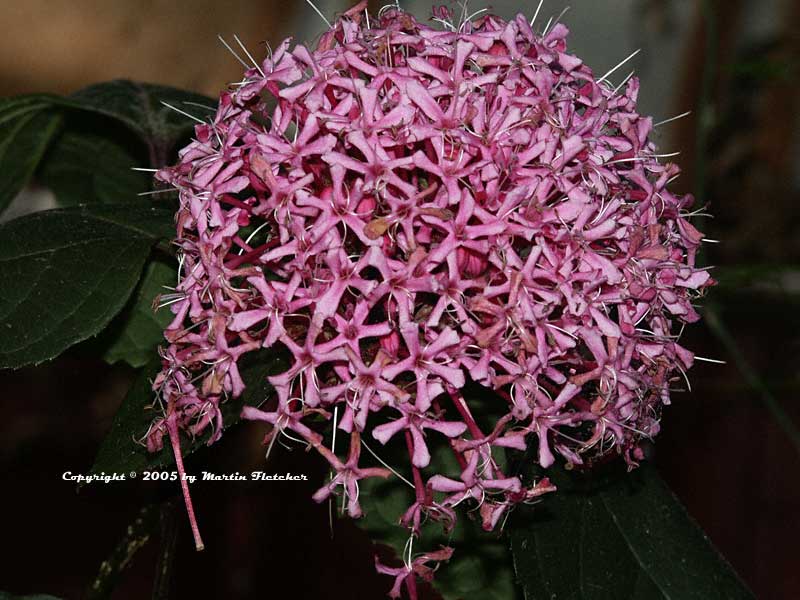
<point>82,166</point>
<point>93,163</point>
<point>120,453</point>
<point>149,219</point>
<point>26,129</point>
<point>137,331</point>
<point>14,108</point>
<point>141,106</point>
<point>65,273</point>
<point>617,536</point>
<point>136,536</point>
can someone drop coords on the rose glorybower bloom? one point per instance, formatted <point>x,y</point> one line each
<point>405,208</point>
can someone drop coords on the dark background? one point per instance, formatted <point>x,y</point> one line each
<point>729,448</point>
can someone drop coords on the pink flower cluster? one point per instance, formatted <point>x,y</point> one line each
<point>405,208</point>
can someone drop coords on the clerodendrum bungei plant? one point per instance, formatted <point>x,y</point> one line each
<point>411,213</point>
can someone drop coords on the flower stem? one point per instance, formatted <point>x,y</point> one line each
<point>228,199</point>
<point>419,486</point>
<point>462,409</point>
<point>174,438</point>
<point>411,585</point>
<point>241,259</point>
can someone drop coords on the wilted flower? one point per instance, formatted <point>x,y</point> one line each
<point>406,208</point>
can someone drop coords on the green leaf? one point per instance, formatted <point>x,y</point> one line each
<point>617,536</point>
<point>65,273</point>
<point>136,536</point>
<point>82,166</point>
<point>148,219</point>
<point>120,453</point>
<point>25,132</point>
<point>14,108</point>
<point>92,163</point>
<point>138,330</point>
<point>141,107</point>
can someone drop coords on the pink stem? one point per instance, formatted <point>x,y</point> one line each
<point>174,438</point>
<point>459,456</point>
<point>241,243</point>
<point>238,260</point>
<point>411,586</point>
<point>505,396</point>
<point>463,410</point>
<point>419,486</point>
<point>227,199</point>
<point>461,406</point>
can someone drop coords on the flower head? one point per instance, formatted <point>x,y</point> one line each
<point>405,208</point>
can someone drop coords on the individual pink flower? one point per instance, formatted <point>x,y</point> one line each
<point>417,567</point>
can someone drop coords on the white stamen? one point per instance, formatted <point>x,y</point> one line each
<point>463,11</point>
<point>252,235</point>
<point>335,422</point>
<point>250,56</point>
<point>710,360</point>
<point>184,113</point>
<point>446,24</point>
<point>623,82</point>
<point>155,192</point>
<point>470,18</point>
<point>641,158</point>
<point>172,299</point>
<point>386,7</point>
<point>232,51</point>
<point>630,56</point>
<point>620,424</point>
<point>198,105</point>
<point>407,550</point>
<point>536,14</point>
<point>558,18</point>
<point>312,5</point>
<point>675,118</point>
<point>144,170</point>
<point>294,439</point>
<point>333,450</point>
<point>562,330</point>
<point>685,378</point>
<point>380,460</point>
